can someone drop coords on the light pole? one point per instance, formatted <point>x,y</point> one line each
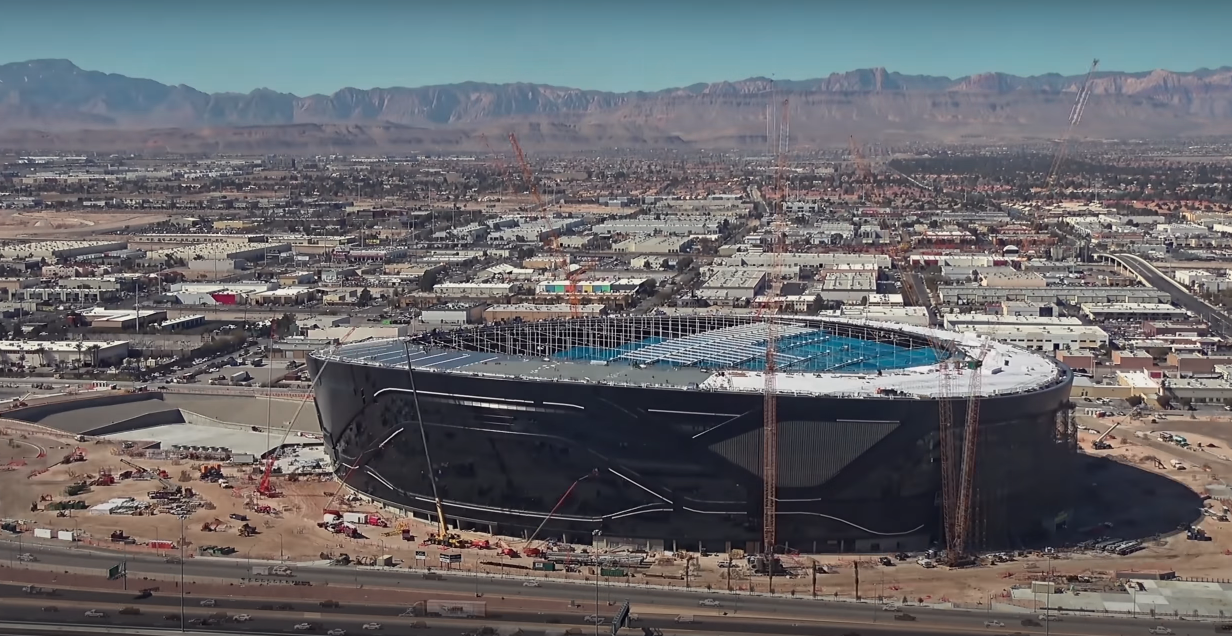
<point>182,518</point>
<point>595,534</point>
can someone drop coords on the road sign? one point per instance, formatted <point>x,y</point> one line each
<point>116,571</point>
<point>621,619</point>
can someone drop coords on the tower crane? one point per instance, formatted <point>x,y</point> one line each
<point>950,460</point>
<point>864,170</point>
<point>500,163</point>
<point>774,212</point>
<point>1075,116</point>
<point>551,242</point>
<point>528,175</point>
<point>957,542</point>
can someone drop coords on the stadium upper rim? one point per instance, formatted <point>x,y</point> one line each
<point>816,356</point>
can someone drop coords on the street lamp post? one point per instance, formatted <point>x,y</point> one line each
<point>595,534</point>
<point>182,518</point>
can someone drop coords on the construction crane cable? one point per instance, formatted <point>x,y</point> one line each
<point>1075,116</point>
<point>423,436</point>
<point>264,487</point>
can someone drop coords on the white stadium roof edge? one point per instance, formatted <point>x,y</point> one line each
<point>1006,369</point>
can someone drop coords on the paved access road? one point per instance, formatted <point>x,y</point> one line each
<point>156,613</point>
<point>657,608</point>
<point>1181,296</point>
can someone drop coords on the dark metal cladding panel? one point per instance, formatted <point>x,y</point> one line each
<point>683,466</point>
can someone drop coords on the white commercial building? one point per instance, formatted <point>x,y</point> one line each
<point>1133,311</point>
<point>49,352</point>
<point>1042,337</point>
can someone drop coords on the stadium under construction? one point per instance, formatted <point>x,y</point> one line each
<point>647,431</point>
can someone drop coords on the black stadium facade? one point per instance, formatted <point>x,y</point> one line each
<point>647,431</point>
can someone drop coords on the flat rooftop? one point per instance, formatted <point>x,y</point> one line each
<point>835,357</point>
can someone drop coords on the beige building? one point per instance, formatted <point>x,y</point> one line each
<point>531,313</point>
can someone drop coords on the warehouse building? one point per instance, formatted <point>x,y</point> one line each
<point>1137,311</point>
<point>454,314</point>
<point>956,322</point>
<point>527,312</point>
<point>1043,337</point>
<point>55,250</point>
<point>99,353</point>
<point>980,295</point>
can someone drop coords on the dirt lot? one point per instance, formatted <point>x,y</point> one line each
<point>1139,499</point>
<point>51,224</point>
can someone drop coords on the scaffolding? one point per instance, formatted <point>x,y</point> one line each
<point>803,344</point>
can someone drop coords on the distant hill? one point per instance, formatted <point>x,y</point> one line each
<point>53,104</point>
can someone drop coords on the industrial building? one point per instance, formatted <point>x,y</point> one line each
<point>1100,312</point>
<point>56,250</point>
<point>648,430</point>
<point>980,295</point>
<point>97,353</point>
<point>528,312</point>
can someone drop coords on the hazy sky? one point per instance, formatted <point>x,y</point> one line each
<point>310,46</point>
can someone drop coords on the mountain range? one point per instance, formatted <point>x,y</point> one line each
<point>55,105</point>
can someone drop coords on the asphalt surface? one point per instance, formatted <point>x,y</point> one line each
<point>1181,296</point>
<point>658,608</point>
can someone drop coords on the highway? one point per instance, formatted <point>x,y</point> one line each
<point>1181,296</point>
<point>656,608</point>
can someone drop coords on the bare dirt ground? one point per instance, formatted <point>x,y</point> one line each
<point>1140,499</point>
<point>50,224</point>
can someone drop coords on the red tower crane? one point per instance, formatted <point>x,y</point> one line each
<point>770,423</point>
<point>964,508</point>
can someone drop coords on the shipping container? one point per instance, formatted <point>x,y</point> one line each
<point>161,544</point>
<point>66,535</point>
<point>457,609</point>
<point>612,572</point>
<point>354,517</point>
<point>42,533</point>
<point>546,566</point>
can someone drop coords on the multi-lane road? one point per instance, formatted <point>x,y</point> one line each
<point>548,604</point>
<point>1181,296</point>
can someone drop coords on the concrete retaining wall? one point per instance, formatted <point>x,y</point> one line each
<point>145,420</point>
<point>39,412</point>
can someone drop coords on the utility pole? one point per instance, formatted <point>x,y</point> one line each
<point>813,563</point>
<point>857,564</point>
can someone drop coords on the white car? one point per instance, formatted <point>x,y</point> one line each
<point>336,632</point>
<point>26,557</point>
<point>993,624</point>
<point>303,627</point>
<point>531,584</point>
<point>593,618</point>
<point>1160,630</point>
<point>372,625</point>
<point>96,614</point>
<point>889,608</point>
<point>1049,617</point>
<point>709,603</point>
<point>209,602</point>
<point>242,618</point>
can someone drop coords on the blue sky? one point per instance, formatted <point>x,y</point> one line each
<point>310,46</point>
